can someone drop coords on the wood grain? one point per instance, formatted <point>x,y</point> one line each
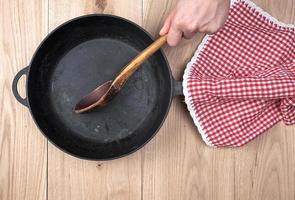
<point>136,63</point>
<point>23,154</point>
<point>176,164</point>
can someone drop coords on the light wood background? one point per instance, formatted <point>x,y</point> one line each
<point>175,165</point>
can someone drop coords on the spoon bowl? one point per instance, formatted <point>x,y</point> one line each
<point>96,98</point>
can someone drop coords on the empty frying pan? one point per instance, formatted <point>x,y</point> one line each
<point>73,60</point>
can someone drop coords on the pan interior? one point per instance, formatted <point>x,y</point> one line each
<point>77,58</point>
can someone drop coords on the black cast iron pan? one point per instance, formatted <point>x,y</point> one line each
<point>74,59</point>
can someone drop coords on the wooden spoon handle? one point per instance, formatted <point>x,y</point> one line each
<point>130,68</point>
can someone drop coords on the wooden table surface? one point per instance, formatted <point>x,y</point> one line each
<point>176,164</point>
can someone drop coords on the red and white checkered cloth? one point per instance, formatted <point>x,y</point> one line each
<point>241,80</point>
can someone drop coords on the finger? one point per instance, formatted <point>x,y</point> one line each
<point>210,28</point>
<point>204,28</point>
<point>174,36</point>
<point>164,30</point>
<point>188,35</point>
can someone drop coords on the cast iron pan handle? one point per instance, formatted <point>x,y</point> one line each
<point>177,88</point>
<point>22,72</point>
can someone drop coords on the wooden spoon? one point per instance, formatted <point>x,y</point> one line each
<point>105,92</point>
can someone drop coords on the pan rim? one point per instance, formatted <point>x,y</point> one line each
<point>42,43</point>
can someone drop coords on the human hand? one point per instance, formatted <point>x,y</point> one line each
<point>192,16</point>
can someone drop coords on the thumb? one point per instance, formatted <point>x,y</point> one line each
<point>174,36</point>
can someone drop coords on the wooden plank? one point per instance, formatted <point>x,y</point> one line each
<point>61,11</point>
<point>23,150</point>
<point>176,164</point>
<point>71,178</point>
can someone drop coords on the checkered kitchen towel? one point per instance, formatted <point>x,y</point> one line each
<point>241,80</point>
